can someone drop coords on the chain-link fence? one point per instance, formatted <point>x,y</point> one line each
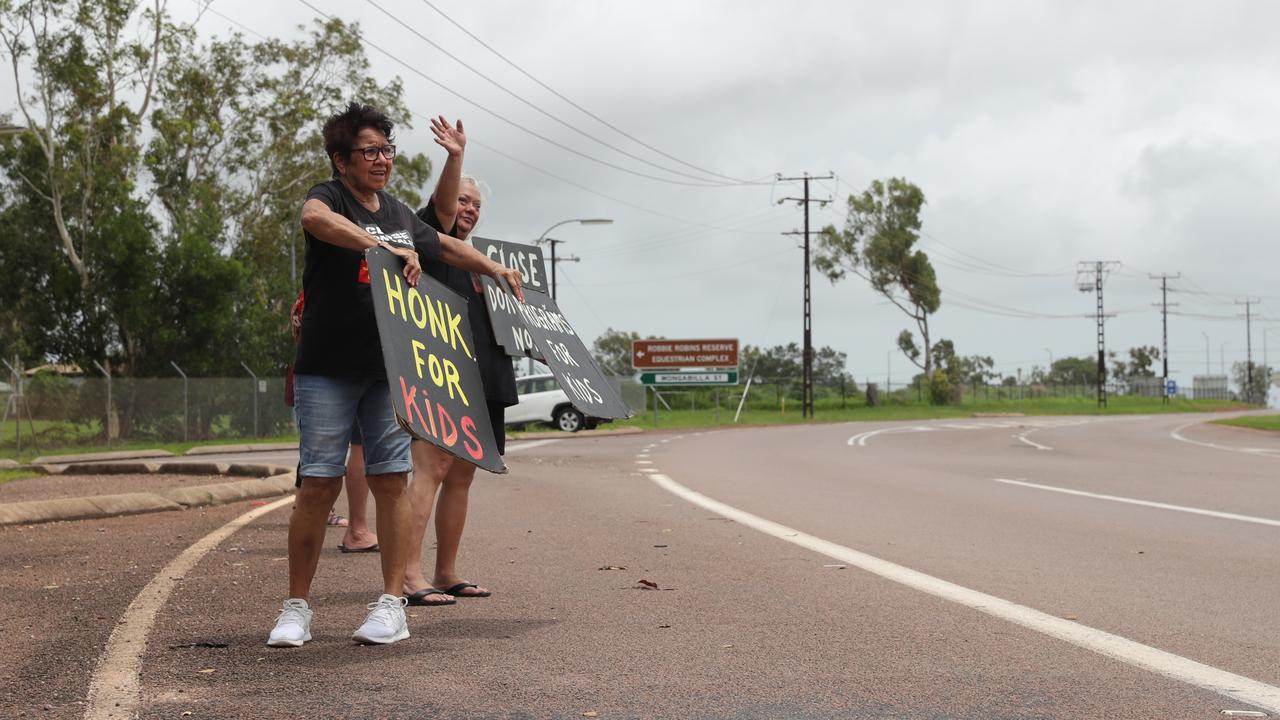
<point>782,393</point>
<point>59,411</point>
<point>53,410</point>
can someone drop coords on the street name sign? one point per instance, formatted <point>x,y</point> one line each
<point>656,354</point>
<point>721,377</point>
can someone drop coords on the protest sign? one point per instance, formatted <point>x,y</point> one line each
<point>509,328</point>
<point>508,324</point>
<point>428,351</point>
<point>525,258</point>
<point>569,359</point>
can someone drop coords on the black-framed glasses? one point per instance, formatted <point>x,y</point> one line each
<point>371,153</point>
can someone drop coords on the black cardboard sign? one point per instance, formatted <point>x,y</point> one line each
<point>525,258</point>
<point>428,350</point>
<point>569,359</point>
<point>505,316</point>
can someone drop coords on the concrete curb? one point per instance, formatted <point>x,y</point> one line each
<point>220,493</point>
<point>250,447</point>
<point>7,464</point>
<point>98,457</point>
<point>102,506</point>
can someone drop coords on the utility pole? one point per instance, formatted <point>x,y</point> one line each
<point>806,403</point>
<point>1164,325</point>
<point>555,260</point>
<point>1090,276</point>
<point>1248,346</point>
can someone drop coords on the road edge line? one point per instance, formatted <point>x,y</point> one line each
<point>115,686</point>
<point>1130,652</point>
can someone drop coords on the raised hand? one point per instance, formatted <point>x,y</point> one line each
<point>450,137</point>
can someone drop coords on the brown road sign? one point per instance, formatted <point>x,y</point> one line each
<point>684,354</point>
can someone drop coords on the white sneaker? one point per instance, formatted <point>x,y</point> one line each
<point>293,627</point>
<point>385,622</point>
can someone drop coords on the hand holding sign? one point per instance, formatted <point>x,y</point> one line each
<point>412,268</point>
<point>509,278</point>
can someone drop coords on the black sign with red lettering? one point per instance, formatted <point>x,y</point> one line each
<point>428,350</point>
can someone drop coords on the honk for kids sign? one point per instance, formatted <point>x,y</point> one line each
<point>429,353</point>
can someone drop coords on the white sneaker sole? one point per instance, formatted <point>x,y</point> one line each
<point>370,640</point>
<point>286,642</point>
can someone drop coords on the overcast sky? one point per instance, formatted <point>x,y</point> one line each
<point>1042,134</point>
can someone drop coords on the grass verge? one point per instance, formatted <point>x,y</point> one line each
<point>1257,422</point>
<point>11,475</point>
<point>29,453</point>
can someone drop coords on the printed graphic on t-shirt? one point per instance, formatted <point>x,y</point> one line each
<point>399,237</point>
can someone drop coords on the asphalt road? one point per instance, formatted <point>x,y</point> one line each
<point>1002,568</point>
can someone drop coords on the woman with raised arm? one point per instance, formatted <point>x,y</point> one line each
<point>440,480</point>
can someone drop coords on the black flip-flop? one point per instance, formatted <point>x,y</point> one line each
<point>366,549</point>
<point>419,597</point>
<point>456,591</point>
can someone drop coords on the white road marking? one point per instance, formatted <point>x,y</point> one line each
<point>1176,434</point>
<point>1146,503</point>
<point>1106,644</point>
<point>1032,443</point>
<point>116,683</point>
<point>530,445</point>
<point>644,462</point>
<point>861,438</point>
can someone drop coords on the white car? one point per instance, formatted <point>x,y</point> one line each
<point>542,401</point>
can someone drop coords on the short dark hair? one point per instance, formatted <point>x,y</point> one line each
<point>341,128</point>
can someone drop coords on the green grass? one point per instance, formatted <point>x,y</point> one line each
<point>10,475</point>
<point>90,445</point>
<point>1257,422</point>
<point>830,410</point>
<point>66,438</point>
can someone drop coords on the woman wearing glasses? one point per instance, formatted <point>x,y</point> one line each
<point>339,372</point>
<point>454,208</point>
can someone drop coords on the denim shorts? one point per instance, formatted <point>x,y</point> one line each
<point>327,407</point>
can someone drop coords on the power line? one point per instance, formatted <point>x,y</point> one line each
<point>497,151</point>
<point>535,107</point>
<point>575,105</point>
<point>360,37</point>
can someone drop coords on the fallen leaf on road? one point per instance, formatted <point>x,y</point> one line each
<point>725,647</point>
<point>50,587</point>
<point>590,713</point>
<point>1069,617</point>
<point>206,671</point>
<point>648,584</point>
<point>186,713</point>
<point>612,567</point>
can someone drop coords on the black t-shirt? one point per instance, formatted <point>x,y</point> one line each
<point>495,365</point>
<point>339,332</point>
